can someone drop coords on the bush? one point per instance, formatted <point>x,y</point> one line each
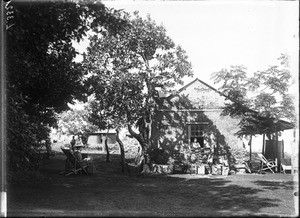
<point>23,136</point>
<point>159,156</point>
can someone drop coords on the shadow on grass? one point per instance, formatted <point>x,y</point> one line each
<point>215,196</point>
<point>274,185</point>
<point>110,193</point>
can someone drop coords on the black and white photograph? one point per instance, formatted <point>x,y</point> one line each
<point>149,108</point>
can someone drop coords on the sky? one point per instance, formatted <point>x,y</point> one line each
<point>219,34</point>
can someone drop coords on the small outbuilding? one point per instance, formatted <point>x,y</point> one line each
<point>97,140</point>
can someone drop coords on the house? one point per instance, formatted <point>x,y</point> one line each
<point>97,140</point>
<point>194,113</point>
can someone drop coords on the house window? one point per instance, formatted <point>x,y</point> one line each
<point>196,130</point>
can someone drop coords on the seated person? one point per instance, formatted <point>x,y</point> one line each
<point>78,155</point>
<point>195,144</point>
<point>206,145</point>
<point>77,152</point>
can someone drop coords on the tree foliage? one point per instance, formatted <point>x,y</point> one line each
<point>40,54</point>
<point>260,99</point>
<point>76,122</point>
<point>42,77</point>
<point>126,71</point>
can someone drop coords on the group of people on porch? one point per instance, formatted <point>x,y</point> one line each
<point>196,144</point>
<point>204,153</point>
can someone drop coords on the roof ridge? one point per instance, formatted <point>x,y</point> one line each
<point>204,83</point>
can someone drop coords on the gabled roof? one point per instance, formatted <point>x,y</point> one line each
<point>195,80</point>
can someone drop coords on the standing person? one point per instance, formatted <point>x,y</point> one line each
<point>73,142</point>
<point>48,148</point>
<point>146,165</point>
<point>137,159</point>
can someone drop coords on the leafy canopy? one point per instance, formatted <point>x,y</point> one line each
<point>40,54</point>
<point>76,122</point>
<point>125,71</point>
<point>260,99</point>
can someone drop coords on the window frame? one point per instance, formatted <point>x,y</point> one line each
<point>202,127</point>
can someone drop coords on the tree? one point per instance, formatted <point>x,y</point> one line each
<point>42,76</point>
<point>114,102</point>
<point>40,54</point>
<point>127,70</point>
<point>260,100</point>
<point>76,122</point>
<point>263,95</point>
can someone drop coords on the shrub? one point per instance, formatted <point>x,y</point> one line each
<point>159,156</point>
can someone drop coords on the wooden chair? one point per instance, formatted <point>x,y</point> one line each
<point>267,164</point>
<point>74,165</point>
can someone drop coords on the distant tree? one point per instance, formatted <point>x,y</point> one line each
<point>127,76</point>
<point>42,76</point>
<point>76,122</point>
<point>259,99</point>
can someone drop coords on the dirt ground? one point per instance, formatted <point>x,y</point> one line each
<point>111,193</point>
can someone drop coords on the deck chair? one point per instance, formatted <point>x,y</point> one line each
<point>74,165</point>
<point>267,164</point>
<point>285,166</point>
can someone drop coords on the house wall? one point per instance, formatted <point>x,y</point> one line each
<point>98,141</point>
<point>131,145</point>
<point>227,127</point>
<point>203,96</point>
<point>219,131</point>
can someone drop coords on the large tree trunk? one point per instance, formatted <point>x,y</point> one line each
<point>144,145</point>
<point>278,156</point>
<point>139,138</point>
<point>149,129</point>
<point>107,150</point>
<point>106,146</point>
<point>122,151</point>
<point>250,144</point>
<point>264,145</point>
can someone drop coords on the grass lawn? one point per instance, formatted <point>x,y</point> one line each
<point>110,193</point>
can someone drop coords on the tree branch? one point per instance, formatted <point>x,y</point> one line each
<point>137,137</point>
